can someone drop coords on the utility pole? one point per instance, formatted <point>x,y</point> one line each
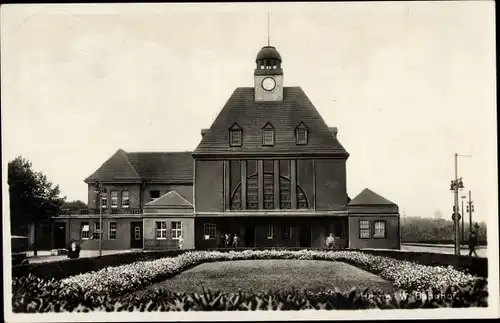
<point>463,219</point>
<point>456,185</point>
<point>99,190</point>
<point>470,209</point>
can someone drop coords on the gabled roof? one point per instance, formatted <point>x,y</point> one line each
<point>368,197</point>
<point>162,167</point>
<point>171,167</point>
<point>171,199</point>
<point>117,167</point>
<point>285,116</point>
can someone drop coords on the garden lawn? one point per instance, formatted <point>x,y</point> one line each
<point>275,275</point>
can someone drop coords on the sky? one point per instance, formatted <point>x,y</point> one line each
<point>407,85</point>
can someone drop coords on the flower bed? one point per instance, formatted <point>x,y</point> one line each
<point>100,289</point>
<point>47,299</point>
<point>405,275</point>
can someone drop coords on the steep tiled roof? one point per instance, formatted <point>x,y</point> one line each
<point>117,167</point>
<point>172,167</point>
<point>368,197</point>
<point>170,199</point>
<point>285,116</point>
<point>161,167</point>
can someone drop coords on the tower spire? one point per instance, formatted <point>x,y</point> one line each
<point>268,31</point>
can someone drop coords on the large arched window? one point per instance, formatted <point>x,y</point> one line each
<point>253,194</point>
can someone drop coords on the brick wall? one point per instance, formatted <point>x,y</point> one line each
<point>185,190</point>
<point>209,186</point>
<point>392,232</point>
<point>134,194</point>
<point>150,241</point>
<point>122,241</point>
<point>331,191</point>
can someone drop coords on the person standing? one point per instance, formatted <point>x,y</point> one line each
<point>181,242</point>
<point>330,241</point>
<point>236,241</point>
<point>228,240</point>
<point>472,243</point>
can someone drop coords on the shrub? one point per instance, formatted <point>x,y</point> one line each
<point>34,295</point>
<point>403,274</point>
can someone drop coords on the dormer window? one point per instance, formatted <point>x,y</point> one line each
<point>268,135</point>
<point>301,134</point>
<point>235,135</point>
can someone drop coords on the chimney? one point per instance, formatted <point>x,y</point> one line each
<point>334,131</point>
<point>203,132</point>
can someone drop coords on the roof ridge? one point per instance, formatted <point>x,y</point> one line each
<point>179,195</point>
<point>159,152</point>
<point>128,161</point>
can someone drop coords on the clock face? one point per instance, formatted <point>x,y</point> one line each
<point>268,84</point>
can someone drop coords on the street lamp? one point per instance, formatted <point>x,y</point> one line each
<point>99,190</point>
<point>470,209</point>
<point>456,185</point>
<point>463,217</point>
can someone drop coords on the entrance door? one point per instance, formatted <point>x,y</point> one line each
<point>305,236</point>
<point>60,236</point>
<point>250,236</point>
<point>136,235</point>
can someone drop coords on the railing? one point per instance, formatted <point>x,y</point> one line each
<point>112,211</point>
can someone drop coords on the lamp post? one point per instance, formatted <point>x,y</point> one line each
<point>470,209</point>
<point>456,185</point>
<point>463,217</point>
<point>99,190</point>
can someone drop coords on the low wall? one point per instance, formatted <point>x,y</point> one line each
<point>70,267</point>
<point>481,242</point>
<point>65,268</point>
<point>475,265</point>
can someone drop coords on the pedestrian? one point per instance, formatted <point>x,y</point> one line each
<point>330,241</point>
<point>236,241</point>
<point>472,243</point>
<point>228,240</point>
<point>221,241</point>
<point>74,251</point>
<point>181,242</point>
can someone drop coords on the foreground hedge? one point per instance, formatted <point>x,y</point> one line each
<point>33,295</point>
<point>403,274</point>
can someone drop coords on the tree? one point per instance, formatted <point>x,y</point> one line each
<point>438,215</point>
<point>33,198</point>
<point>74,205</point>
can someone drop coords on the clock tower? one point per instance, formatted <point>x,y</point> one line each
<point>268,76</point>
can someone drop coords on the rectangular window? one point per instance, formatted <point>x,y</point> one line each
<point>364,229</point>
<point>270,232</point>
<point>114,199</point>
<point>209,231</point>
<point>104,200</point>
<point>268,191</point>
<point>301,136</point>
<point>161,230</point>
<point>285,198</point>
<point>154,194</point>
<point>112,230</point>
<point>96,234</point>
<point>379,227</point>
<point>176,230</point>
<point>287,233</point>
<point>253,193</point>
<point>85,231</point>
<point>125,199</point>
<point>137,232</point>
<point>235,138</point>
<point>268,137</point>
